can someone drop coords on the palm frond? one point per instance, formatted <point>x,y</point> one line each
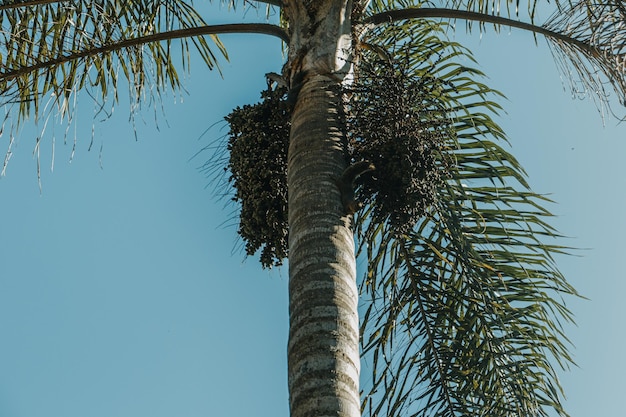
<point>251,3</point>
<point>587,39</point>
<point>52,50</point>
<point>497,7</point>
<point>602,26</point>
<point>464,310</point>
<point>58,48</point>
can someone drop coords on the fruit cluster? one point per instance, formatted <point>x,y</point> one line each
<point>257,145</point>
<point>395,121</point>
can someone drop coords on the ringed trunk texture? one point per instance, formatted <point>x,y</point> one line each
<point>323,349</point>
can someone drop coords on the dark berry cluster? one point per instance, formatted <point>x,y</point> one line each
<point>258,144</point>
<point>395,121</point>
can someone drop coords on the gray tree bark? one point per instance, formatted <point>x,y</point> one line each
<point>323,350</point>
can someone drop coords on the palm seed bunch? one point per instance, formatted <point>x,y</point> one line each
<point>394,122</point>
<point>258,140</point>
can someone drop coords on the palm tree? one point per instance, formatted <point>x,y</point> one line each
<point>380,129</point>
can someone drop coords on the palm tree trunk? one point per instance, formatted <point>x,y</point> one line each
<point>323,350</point>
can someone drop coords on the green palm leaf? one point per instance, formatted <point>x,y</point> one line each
<point>58,48</point>
<point>587,38</point>
<point>465,306</point>
<point>51,50</point>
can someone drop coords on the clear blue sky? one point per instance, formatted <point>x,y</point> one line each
<point>124,292</point>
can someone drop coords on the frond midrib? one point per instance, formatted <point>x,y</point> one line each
<point>391,16</point>
<point>260,28</point>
